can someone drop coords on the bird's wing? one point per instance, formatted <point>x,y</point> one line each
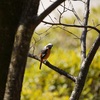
<point>44,52</point>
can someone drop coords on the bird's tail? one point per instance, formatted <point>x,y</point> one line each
<point>40,64</point>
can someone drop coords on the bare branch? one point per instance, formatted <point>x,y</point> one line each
<point>76,15</point>
<point>44,9</point>
<point>84,70</point>
<point>60,71</point>
<point>69,32</point>
<point>61,12</point>
<point>76,26</point>
<point>48,10</point>
<point>84,33</point>
<point>39,37</point>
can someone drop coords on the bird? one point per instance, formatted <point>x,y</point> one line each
<point>45,53</point>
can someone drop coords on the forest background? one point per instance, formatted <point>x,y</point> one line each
<point>46,84</point>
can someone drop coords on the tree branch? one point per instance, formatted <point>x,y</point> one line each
<point>71,25</point>
<point>48,10</point>
<point>84,33</point>
<point>84,70</point>
<point>60,71</point>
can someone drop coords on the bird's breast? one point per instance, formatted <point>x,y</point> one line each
<point>47,54</point>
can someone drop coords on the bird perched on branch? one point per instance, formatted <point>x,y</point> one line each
<point>45,53</point>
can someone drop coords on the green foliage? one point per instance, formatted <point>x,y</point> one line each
<point>46,84</point>
<point>49,85</point>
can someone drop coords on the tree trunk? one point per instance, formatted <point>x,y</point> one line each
<point>20,50</point>
<point>10,12</point>
<point>29,21</point>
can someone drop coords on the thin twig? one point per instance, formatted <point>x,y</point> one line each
<point>69,32</point>
<point>73,10</point>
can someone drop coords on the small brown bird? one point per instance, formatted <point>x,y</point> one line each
<point>45,53</point>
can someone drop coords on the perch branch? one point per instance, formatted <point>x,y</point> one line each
<point>60,71</point>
